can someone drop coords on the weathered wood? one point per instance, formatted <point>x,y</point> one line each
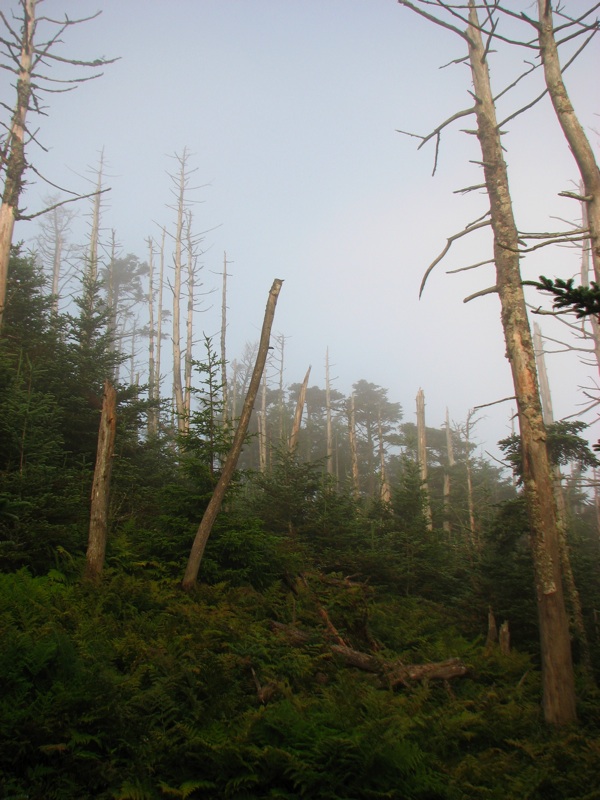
<point>402,674</point>
<point>394,673</point>
<point>214,505</point>
<point>98,531</point>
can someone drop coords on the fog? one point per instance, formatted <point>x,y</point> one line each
<point>291,111</point>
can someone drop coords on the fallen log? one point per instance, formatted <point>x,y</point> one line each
<point>395,673</point>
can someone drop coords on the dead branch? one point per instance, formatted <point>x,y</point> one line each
<point>493,403</point>
<point>471,266</point>
<point>469,229</point>
<point>481,293</point>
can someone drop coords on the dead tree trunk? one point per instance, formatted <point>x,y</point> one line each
<point>189,325</point>
<point>450,463</point>
<point>557,667</point>
<point>353,448</point>
<point>571,589</point>
<point>98,532</point>
<point>223,344</point>
<point>293,443</point>
<point>153,411</point>
<point>422,454</point>
<point>214,505</point>
<point>571,127</point>
<point>15,147</point>
<point>330,464</point>
<point>262,427</point>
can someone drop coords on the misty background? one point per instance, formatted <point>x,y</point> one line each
<point>290,110</point>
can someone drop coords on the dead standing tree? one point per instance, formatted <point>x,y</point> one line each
<point>27,57</point>
<point>557,667</point>
<point>215,502</point>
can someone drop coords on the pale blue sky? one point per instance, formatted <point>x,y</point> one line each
<point>290,108</point>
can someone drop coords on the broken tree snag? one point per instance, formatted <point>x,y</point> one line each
<point>214,505</point>
<point>98,532</point>
<point>504,638</point>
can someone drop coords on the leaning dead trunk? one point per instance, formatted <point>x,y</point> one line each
<point>214,505</point>
<point>557,666</point>
<point>98,532</point>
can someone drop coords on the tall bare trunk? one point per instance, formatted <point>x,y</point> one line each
<point>571,127</point>
<point>447,485</point>
<point>473,537</point>
<point>189,327</point>
<point>15,148</point>
<point>98,532</point>
<point>571,589</point>
<point>92,258</point>
<point>214,505</point>
<point>353,448</point>
<point>234,386</point>
<point>298,415</point>
<point>223,343</point>
<point>178,266</point>
<point>159,320</point>
<point>330,464</point>
<point>557,667</point>
<point>594,334</point>
<point>422,454</point>
<point>153,412</point>
<point>385,493</point>
<point>262,427</point>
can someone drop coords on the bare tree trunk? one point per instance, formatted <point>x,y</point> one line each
<point>385,492</point>
<point>214,505</point>
<point>557,666</point>
<point>153,411</point>
<point>540,362</point>
<point>223,343</point>
<point>469,472</point>
<point>234,377</point>
<point>281,342</point>
<point>353,449</point>
<point>594,334</point>
<point>101,486</point>
<point>330,464</point>
<point>178,266</point>
<point>92,265</point>
<point>159,319</point>
<point>569,579</point>
<point>262,427</point>
<point>189,340</point>
<point>571,127</point>
<point>422,454</point>
<point>298,415</point>
<point>451,462</point>
<point>15,147</point>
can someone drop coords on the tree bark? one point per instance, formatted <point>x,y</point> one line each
<point>447,483</point>
<point>330,464</point>
<point>557,667</point>
<point>98,531</point>
<point>15,162</point>
<point>223,343</point>
<point>293,443</point>
<point>353,450</point>
<point>214,505</point>
<point>422,454</point>
<point>571,127</point>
